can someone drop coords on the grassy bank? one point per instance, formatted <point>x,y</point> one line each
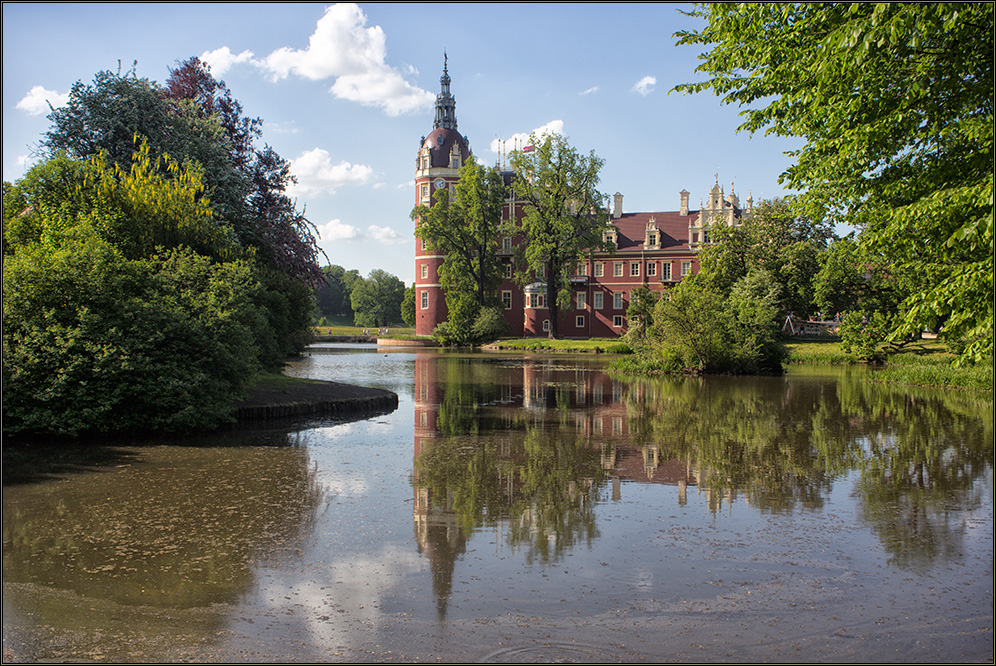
<point>350,331</point>
<point>593,346</point>
<point>924,363</point>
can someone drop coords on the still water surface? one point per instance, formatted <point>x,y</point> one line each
<point>518,508</point>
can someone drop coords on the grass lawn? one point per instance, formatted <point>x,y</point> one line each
<point>593,346</point>
<point>923,363</point>
<point>348,330</point>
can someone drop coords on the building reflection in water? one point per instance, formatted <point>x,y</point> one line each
<point>528,446</point>
<point>531,446</point>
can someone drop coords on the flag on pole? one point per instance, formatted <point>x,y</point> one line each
<point>528,149</point>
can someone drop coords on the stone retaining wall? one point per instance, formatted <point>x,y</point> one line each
<point>391,342</point>
<point>386,402</point>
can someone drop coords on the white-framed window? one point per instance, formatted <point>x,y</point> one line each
<point>617,269</point>
<point>537,300</point>
<point>651,239</point>
<point>617,321</point>
<point>543,271</point>
<point>506,243</point>
<point>506,299</point>
<point>634,269</point>
<point>506,269</point>
<point>425,271</point>
<point>599,269</point>
<point>617,300</point>
<point>425,300</point>
<point>583,269</point>
<point>546,325</point>
<point>582,300</point>
<point>425,191</point>
<point>455,162</point>
<point>651,268</point>
<point>579,321</point>
<point>686,268</point>
<point>598,300</point>
<point>423,244</point>
<point>666,270</point>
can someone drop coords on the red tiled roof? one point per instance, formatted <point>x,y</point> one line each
<point>672,225</point>
<point>440,150</point>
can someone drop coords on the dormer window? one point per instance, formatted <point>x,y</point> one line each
<point>610,235</point>
<point>652,239</point>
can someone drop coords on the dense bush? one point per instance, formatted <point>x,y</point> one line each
<point>152,264</point>
<point>111,320</point>
<point>93,341</point>
<point>698,329</point>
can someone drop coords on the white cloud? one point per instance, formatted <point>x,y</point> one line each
<point>283,128</point>
<point>336,230</point>
<point>645,86</point>
<point>590,90</point>
<point>522,138</point>
<point>342,48</point>
<point>317,175</point>
<point>38,98</point>
<point>221,60</point>
<point>386,235</point>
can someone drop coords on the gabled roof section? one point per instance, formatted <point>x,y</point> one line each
<point>672,225</point>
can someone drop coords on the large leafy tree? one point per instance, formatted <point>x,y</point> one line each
<point>565,214</point>
<point>775,239</point>
<point>466,228</point>
<point>376,299</point>
<point>195,118</point>
<point>895,103</point>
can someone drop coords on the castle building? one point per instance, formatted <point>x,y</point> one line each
<point>653,249</point>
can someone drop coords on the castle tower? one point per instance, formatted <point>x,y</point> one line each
<point>440,156</point>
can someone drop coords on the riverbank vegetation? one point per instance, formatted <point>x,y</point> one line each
<point>894,103</point>
<point>153,263</point>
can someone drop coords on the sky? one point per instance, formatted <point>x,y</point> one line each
<point>346,92</point>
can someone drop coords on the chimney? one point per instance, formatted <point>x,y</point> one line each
<point>684,203</point>
<point>617,208</point>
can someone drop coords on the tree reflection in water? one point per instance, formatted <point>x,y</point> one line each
<point>531,445</point>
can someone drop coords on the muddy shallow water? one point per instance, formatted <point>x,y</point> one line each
<point>518,508</point>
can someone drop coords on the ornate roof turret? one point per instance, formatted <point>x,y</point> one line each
<point>445,104</point>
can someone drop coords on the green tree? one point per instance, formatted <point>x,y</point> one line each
<point>895,103</point>
<point>194,119</point>
<point>332,294</point>
<point>465,230</point>
<point>697,329</point>
<point>408,306</point>
<point>99,337</point>
<point>775,239</point>
<point>376,299</point>
<point>843,281</point>
<point>565,215</point>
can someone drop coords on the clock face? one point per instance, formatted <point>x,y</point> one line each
<point>440,183</point>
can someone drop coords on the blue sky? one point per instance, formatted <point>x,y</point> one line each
<point>346,92</point>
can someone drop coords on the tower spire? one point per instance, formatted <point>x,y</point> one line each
<point>445,104</point>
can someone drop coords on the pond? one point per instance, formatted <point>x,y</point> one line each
<point>524,508</point>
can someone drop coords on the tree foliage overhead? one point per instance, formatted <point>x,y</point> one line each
<point>895,102</point>
<point>565,214</point>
